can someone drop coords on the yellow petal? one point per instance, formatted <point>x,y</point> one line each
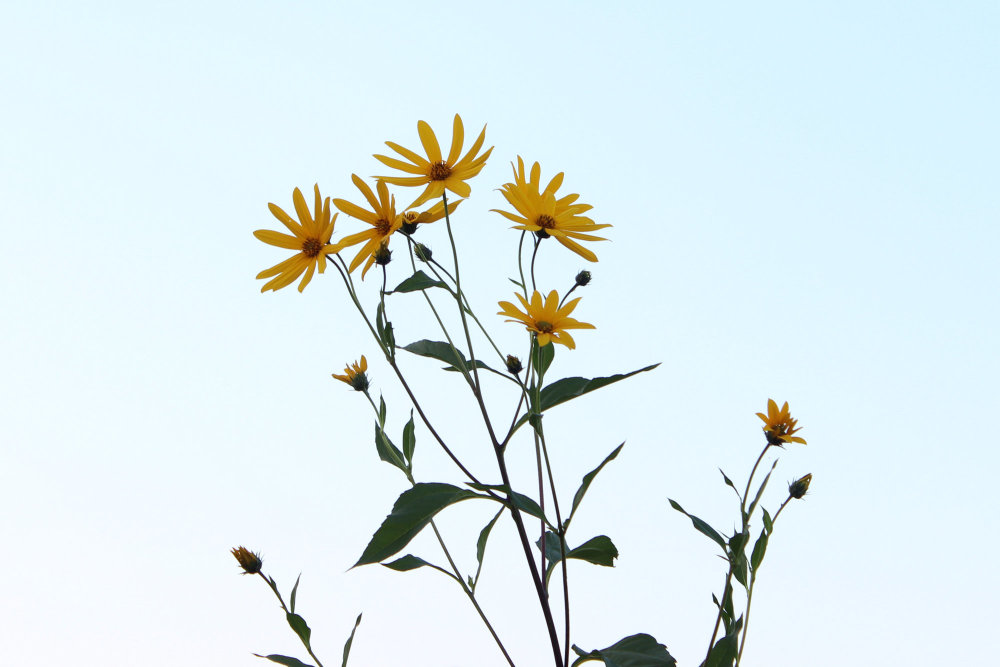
<point>429,141</point>
<point>457,139</point>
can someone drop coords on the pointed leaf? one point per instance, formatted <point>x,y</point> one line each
<point>484,535</point>
<point>760,491</point>
<point>759,549</point>
<point>440,351</point>
<point>381,411</point>
<point>701,526</point>
<point>640,650</point>
<point>350,640</point>
<point>410,562</point>
<point>587,479</point>
<point>545,356</point>
<point>724,652</point>
<point>409,439</point>
<point>284,660</point>
<point>295,590</point>
<point>598,550</point>
<point>300,627</point>
<point>387,451</point>
<point>412,511</point>
<point>524,503</point>
<point>567,389</point>
<point>418,281</point>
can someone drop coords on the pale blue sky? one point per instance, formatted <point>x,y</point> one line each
<point>805,204</point>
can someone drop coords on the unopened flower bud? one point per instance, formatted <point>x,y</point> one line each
<point>248,560</point>
<point>799,487</point>
<point>513,364</point>
<point>383,255</point>
<point>583,278</point>
<point>409,225</point>
<point>422,252</point>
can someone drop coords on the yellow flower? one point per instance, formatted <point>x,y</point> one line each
<point>355,375</point>
<point>539,211</point>
<point>412,218</point>
<point>248,560</point>
<point>549,321</point>
<point>434,172</point>
<point>383,219</point>
<point>311,238</point>
<point>779,427</point>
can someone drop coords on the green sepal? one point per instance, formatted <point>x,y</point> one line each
<point>567,389</point>
<point>411,512</point>
<point>585,484</point>
<point>418,281</point>
<point>701,526</point>
<point>284,660</point>
<point>409,439</point>
<point>350,640</point>
<point>639,650</point>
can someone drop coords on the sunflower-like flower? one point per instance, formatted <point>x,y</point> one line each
<point>779,427</point>
<point>413,218</point>
<point>436,173</point>
<point>248,560</point>
<point>356,375</point>
<point>383,219</point>
<point>541,212</point>
<point>547,320</point>
<point>311,238</point>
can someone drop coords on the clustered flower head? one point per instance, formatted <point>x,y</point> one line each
<point>248,560</point>
<point>539,211</point>
<point>436,173</point>
<point>310,237</point>
<point>548,321</point>
<point>356,375</point>
<point>779,427</point>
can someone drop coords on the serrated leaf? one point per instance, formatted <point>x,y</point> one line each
<point>567,389</point>
<point>301,628</point>
<point>701,526</point>
<point>418,281</point>
<point>411,512</point>
<point>639,650</point>
<point>585,484</point>
<point>284,660</point>
<point>295,590</point>
<point>409,439</point>
<point>350,640</point>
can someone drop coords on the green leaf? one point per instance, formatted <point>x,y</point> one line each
<point>440,351</point>
<point>350,640</point>
<point>545,356</point>
<point>295,590</point>
<point>567,389</point>
<point>519,500</point>
<point>517,282</point>
<point>484,535</point>
<point>409,439</point>
<point>418,281</point>
<point>587,479</point>
<point>723,654</point>
<point>381,411</point>
<point>640,650</point>
<point>759,549</point>
<point>387,451</point>
<point>412,511</point>
<point>768,523</point>
<point>300,627</point>
<point>410,562</point>
<point>599,550</point>
<point>384,330</point>
<point>283,660</point>
<point>760,491</point>
<point>740,568</point>
<point>701,526</point>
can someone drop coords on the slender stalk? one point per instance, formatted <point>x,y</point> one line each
<point>281,601</point>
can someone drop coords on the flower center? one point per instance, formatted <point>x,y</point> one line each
<point>440,171</point>
<point>544,327</point>
<point>545,221</point>
<point>311,247</point>
<point>383,227</point>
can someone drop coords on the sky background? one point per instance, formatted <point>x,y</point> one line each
<point>805,202</point>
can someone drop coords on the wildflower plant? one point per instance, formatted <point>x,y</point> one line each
<point>522,381</point>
